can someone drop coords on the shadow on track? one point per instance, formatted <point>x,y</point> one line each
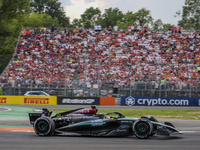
<point>124,137</point>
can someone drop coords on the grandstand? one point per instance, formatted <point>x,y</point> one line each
<point>71,62</point>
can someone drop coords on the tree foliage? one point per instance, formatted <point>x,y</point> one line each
<point>77,23</point>
<point>38,5</point>
<point>110,17</point>
<point>129,18</point>
<point>40,20</point>
<point>143,17</point>
<point>52,8</point>
<point>11,21</point>
<point>87,24</point>
<point>92,14</point>
<point>166,26</point>
<point>191,15</point>
<point>157,25</point>
<point>115,16</point>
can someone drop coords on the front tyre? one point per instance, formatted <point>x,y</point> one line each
<point>142,128</point>
<point>44,126</point>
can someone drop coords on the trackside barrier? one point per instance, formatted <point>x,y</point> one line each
<point>118,101</point>
<point>78,100</point>
<point>29,100</point>
<point>107,101</point>
<point>104,101</point>
<point>159,101</point>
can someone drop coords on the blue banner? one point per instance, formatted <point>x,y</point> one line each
<point>159,101</point>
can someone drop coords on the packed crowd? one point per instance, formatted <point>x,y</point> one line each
<point>121,57</point>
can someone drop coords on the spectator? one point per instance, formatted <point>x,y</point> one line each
<point>109,94</point>
<point>144,56</point>
<point>1,92</point>
<point>65,30</point>
<point>110,28</point>
<point>145,29</point>
<point>52,28</point>
<point>129,28</point>
<point>135,27</point>
<point>132,28</point>
<point>115,28</point>
<point>173,29</point>
<point>96,28</point>
<point>169,29</point>
<point>99,27</point>
<point>138,28</point>
<point>179,29</point>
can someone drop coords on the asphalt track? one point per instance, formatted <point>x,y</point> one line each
<point>11,116</point>
<point>30,141</point>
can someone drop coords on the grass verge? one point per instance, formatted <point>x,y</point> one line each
<point>188,114</point>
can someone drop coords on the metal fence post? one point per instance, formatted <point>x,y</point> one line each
<point>159,88</point>
<point>19,89</point>
<point>190,94</point>
<point>99,77</point>
<point>31,74</point>
<point>65,75</point>
<point>85,44</point>
<point>142,93</point>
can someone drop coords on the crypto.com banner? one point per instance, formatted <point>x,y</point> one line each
<point>159,101</point>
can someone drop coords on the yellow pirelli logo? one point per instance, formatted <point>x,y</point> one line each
<point>36,100</point>
<point>2,100</point>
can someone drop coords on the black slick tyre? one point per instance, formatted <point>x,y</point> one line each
<point>142,128</point>
<point>44,126</point>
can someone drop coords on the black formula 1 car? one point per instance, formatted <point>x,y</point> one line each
<point>88,122</point>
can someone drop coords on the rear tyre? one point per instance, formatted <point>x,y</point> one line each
<point>44,126</point>
<point>142,128</point>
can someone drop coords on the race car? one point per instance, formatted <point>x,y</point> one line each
<point>87,122</point>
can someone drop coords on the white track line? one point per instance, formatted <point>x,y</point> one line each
<point>188,131</point>
<point>22,131</point>
<point>8,109</point>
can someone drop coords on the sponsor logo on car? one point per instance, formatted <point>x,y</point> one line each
<point>2,100</point>
<point>79,101</point>
<point>36,100</point>
<point>121,130</point>
<point>97,123</point>
<point>126,121</point>
<point>161,128</point>
<point>130,101</point>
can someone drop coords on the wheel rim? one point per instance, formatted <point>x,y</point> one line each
<point>142,128</point>
<point>42,126</point>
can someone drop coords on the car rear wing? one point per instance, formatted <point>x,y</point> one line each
<point>33,117</point>
<point>40,113</point>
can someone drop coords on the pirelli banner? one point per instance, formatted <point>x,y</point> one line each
<point>29,100</point>
<point>78,100</point>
